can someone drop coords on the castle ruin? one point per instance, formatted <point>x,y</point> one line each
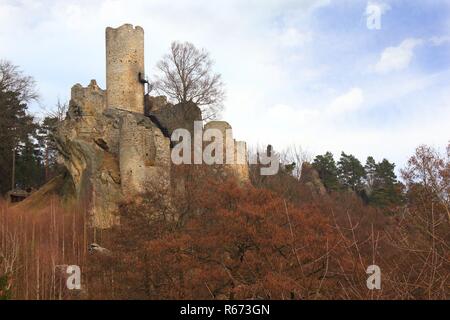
<point>115,143</point>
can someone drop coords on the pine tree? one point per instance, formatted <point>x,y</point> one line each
<point>326,167</point>
<point>48,147</point>
<point>385,173</point>
<point>350,172</point>
<point>29,164</point>
<point>17,127</point>
<point>386,189</point>
<point>370,172</point>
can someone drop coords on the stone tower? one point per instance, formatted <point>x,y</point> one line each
<point>124,63</point>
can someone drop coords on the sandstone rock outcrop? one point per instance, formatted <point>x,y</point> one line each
<point>310,178</point>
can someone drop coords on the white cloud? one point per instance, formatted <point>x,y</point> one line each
<point>347,102</point>
<point>439,40</point>
<point>397,58</point>
<point>292,37</point>
<point>291,116</point>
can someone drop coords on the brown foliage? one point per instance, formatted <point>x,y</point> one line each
<point>239,242</point>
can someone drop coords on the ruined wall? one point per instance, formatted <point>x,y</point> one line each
<point>124,62</point>
<point>92,99</point>
<point>172,117</point>
<point>86,103</point>
<point>153,104</point>
<point>236,165</point>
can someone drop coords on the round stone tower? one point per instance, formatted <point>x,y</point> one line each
<point>124,65</point>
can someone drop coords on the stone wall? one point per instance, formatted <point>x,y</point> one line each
<point>235,164</point>
<point>86,103</point>
<point>92,99</point>
<point>172,117</point>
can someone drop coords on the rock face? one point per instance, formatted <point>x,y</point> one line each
<point>310,178</point>
<point>144,154</point>
<point>110,153</point>
<point>113,147</point>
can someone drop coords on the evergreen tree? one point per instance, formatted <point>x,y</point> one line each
<point>370,172</point>
<point>326,167</point>
<point>351,172</point>
<point>16,127</point>
<point>29,165</point>
<point>385,174</point>
<point>47,145</point>
<point>386,189</point>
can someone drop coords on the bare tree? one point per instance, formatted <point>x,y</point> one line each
<point>13,80</point>
<point>293,158</point>
<point>59,112</point>
<point>430,170</point>
<point>186,75</point>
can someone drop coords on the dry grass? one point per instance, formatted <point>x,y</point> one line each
<point>33,243</point>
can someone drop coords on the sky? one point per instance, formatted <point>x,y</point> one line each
<point>364,77</point>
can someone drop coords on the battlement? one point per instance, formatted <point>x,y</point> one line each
<point>124,63</point>
<point>125,29</point>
